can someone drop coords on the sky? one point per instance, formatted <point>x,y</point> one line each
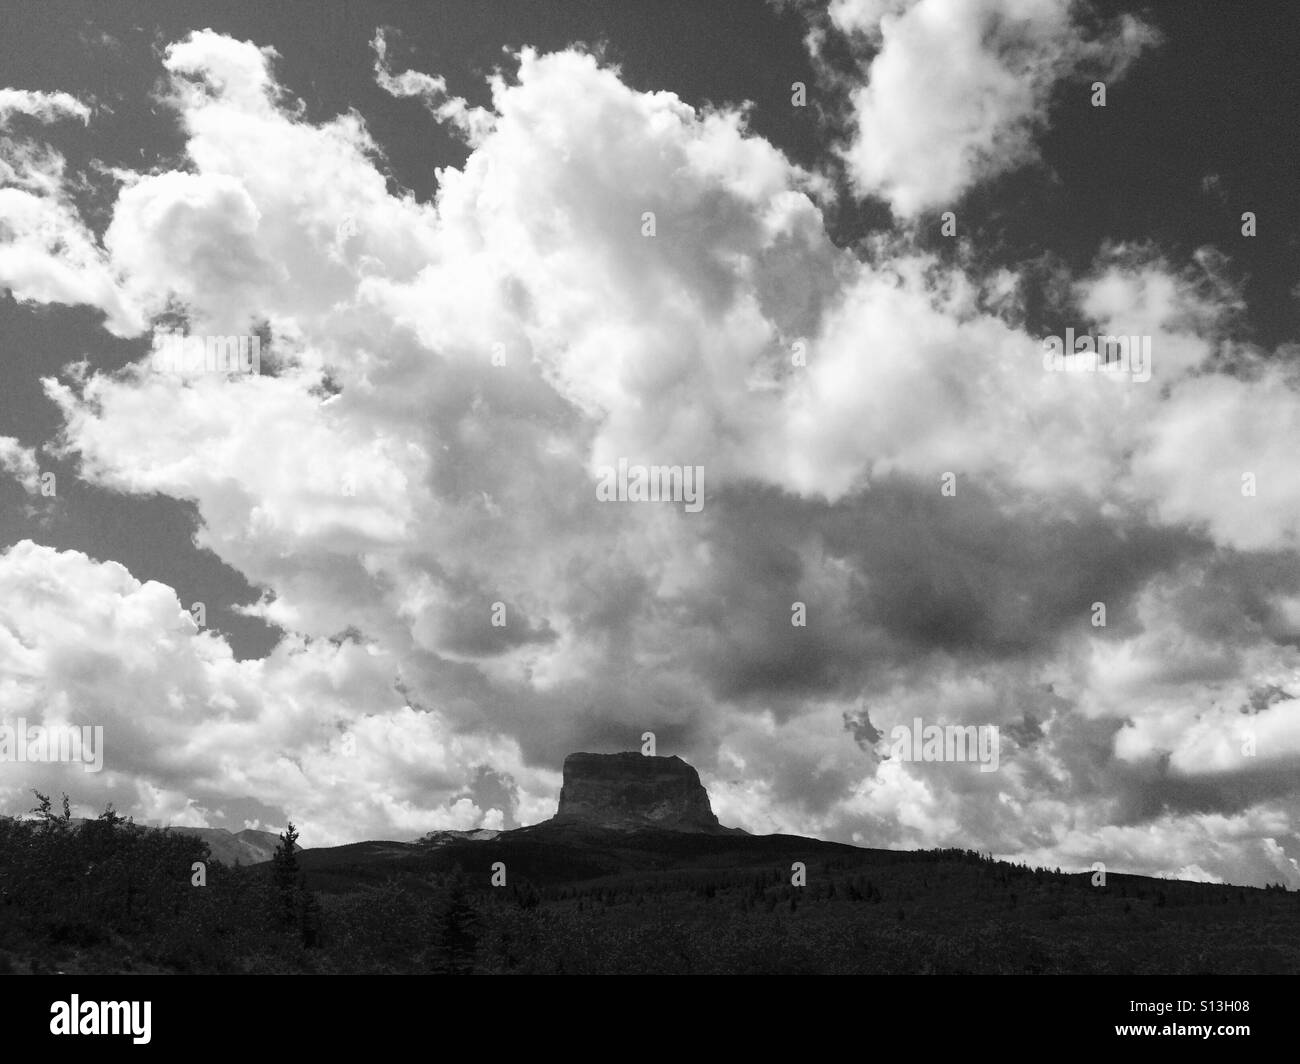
<point>817,254</point>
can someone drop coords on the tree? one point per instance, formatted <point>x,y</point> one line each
<point>285,859</point>
<point>46,814</point>
<point>459,929</point>
<point>309,914</point>
<point>286,873</point>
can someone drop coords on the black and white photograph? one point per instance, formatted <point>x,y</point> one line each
<point>611,487</point>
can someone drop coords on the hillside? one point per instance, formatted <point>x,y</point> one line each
<point>633,875</point>
<point>609,902</point>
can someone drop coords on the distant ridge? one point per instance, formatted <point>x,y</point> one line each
<point>245,847</point>
<point>242,847</point>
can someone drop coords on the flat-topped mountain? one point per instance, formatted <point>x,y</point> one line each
<point>629,791</point>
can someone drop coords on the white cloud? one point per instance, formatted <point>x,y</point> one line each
<point>957,90</point>
<point>473,122</point>
<point>47,255</point>
<point>21,463</point>
<point>316,729</point>
<point>43,106</point>
<point>472,482</point>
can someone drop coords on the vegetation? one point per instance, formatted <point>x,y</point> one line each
<point>110,896</point>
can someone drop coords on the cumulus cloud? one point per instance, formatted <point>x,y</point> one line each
<point>615,274</point>
<point>317,728</point>
<point>47,254</point>
<point>956,91</point>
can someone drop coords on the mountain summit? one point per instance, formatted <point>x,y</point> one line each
<point>629,791</point>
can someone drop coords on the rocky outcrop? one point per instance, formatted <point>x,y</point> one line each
<point>435,839</point>
<point>629,791</point>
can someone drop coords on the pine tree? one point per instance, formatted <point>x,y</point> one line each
<point>285,873</point>
<point>459,929</point>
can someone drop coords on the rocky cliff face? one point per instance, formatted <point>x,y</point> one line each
<point>629,791</point>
